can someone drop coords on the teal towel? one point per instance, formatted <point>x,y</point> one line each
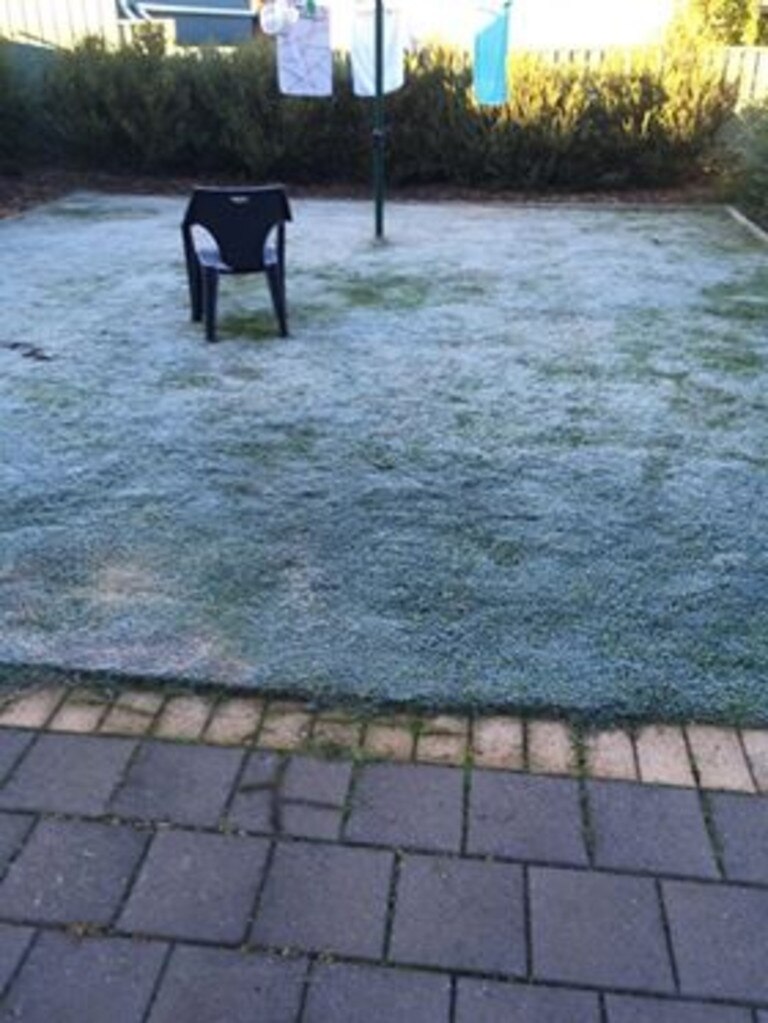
<point>490,75</point>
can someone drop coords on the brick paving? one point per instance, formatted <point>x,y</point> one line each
<point>143,880</point>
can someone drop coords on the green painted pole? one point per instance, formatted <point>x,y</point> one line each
<point>378,124</point>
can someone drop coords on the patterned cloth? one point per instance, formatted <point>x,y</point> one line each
<point>304,58</point>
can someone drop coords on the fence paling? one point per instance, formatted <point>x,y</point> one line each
<point>747,65</point>
<point>58,23</point>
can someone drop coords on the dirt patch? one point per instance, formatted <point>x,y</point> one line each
<point>20,192</point>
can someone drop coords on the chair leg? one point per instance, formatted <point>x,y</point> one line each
<point>210,299</point>
<point>195,280</point>
<point>276,282</point>
<point>196,293</point>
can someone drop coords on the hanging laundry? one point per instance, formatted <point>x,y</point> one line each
<point>491,48</point>
<point>363,50</point>
<point>304,57</point>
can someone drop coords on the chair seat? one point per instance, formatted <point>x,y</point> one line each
<point>209,256</point>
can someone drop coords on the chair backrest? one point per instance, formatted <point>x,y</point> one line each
<point>240,220</point>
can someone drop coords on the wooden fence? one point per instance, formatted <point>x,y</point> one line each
<point>59,23</point>
<point>745,65</point>
<point>748,65</point>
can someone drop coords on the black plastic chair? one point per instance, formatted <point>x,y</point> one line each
<point>238,225</point>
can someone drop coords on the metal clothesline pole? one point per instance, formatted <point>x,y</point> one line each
<point>379,128</point>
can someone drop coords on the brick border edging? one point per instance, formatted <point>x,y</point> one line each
<point>704,756</point>
<point>747,223</point>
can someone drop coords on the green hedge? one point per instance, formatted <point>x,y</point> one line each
<point>747,158</point>
<point>14,115</point>
<point>141,110</point>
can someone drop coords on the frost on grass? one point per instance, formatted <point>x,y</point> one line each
<point>513,457</point>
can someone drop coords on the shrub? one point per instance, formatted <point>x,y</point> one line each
<point>15,111</point>
<point>644,121</point>
<point>747,142</point>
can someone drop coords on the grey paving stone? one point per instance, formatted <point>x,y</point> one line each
<point>460,915</point>
<point>14,828</point>
<point>196,886</point>
<point>325,898</point>
<point>720,939</point>
<point>312,780</point>
<point>351,994</point>
<point>181,784</point>
<point>70,981</point>
<point>205,985</point>
<point>526,818</point>
<point>406,806</point>
<point>255,806</point>
<point>627,1009</point>
<point>598,929</point>
<point>12,744</point>
<point>310,821</point>
<point>742,825</point>
<point>14,942</point>
<point>484,1002</point>
<point>305,799</point>
<point>68,774</point>
<point>642,828</point>
<point>71,872</point>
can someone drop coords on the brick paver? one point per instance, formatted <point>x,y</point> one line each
<point>550,747</point>
<point>310,780</point>
<point>598,929</point>
<point>181,784</point>
<point>323,898</point>
<point>525,818</point>
<point>628,1009</point>
<point>461,895</point>
<point>285,727</point>
<point>235,722</point>
<point>352,994</point>
<point>14,942</point>
<point>324,785</point>
<point>133,713</point>
<point>611,755</point>
<point>67,774</point>
<point>486,1002</point>
<point>720,938</point>
<point>199,887</point>
<point>71,871</point>
<point>407,806</point>
<point>14,828</point>
<point>719,758</point>
<point>392,742</point>
<point>756,746</point>
<point>183,717</point>
<point>499,742</point>
<point>301,796</point>
<point>255,806</point>
<point>663,756</point>
<point>82,712</point>
<point>742,827</point>
<point>12,745</point>
<point>332,734</point>
<point>30,710</point>
<point>72,981</point>
<point>458,914</point>
<point>210,985</point>
<point>650,830</point>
